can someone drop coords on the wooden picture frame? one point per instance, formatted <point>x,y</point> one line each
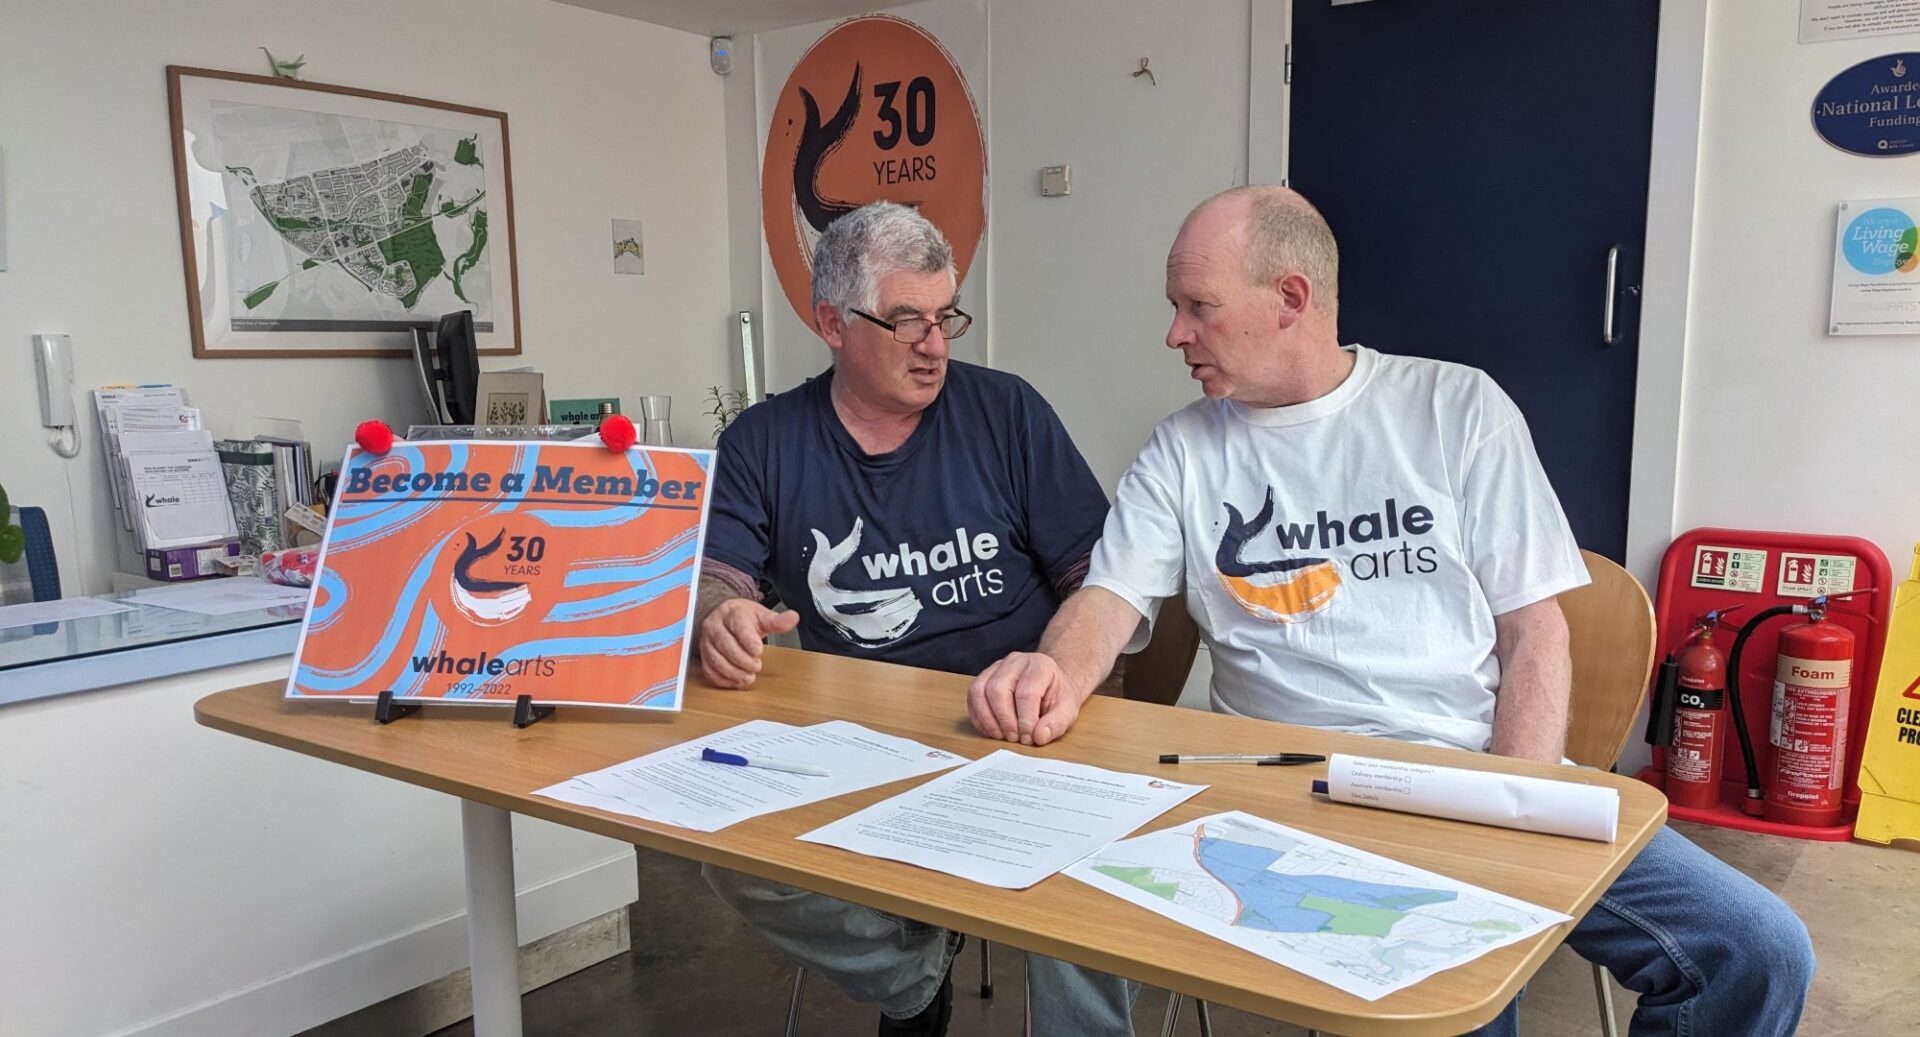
<point>322,221</point>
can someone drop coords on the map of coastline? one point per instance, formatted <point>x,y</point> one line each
<point>342,223</point>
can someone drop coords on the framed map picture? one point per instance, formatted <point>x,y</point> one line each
<point>323,220</point>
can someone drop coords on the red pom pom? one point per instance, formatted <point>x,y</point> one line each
<point>373,436</point>
<point>616,431</point>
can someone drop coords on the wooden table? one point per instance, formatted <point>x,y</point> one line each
<point>477,755</point>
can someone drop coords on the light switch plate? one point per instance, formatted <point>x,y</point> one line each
<point>1056,181</point>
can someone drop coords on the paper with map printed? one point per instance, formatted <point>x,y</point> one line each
<point>1361,922</point>
<point>342,223</point>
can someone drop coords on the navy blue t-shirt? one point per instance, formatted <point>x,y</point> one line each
<point>942,553</point>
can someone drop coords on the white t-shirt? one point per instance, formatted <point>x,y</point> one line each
<point>1345,557</point>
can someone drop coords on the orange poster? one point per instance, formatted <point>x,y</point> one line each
<point>482,571</point>
<point>875,111</point>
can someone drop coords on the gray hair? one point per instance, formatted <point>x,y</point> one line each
<point>869,243</point>
<point>1285,234</point>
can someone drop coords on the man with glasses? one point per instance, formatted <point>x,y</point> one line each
<point>907,508</point>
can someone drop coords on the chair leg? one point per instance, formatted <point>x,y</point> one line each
<point>793,1002</point>
<point>986,971</point>
<point>1174,1001</point>
<point>1206,1018</point>
<point>1608,1026</point>
<point>1026,992</point>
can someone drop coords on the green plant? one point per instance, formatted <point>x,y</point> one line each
<point>13,539</point>
<point>725,405</point>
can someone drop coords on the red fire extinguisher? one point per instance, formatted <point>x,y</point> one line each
<point>1699,709</point>
<point>1809,731</point>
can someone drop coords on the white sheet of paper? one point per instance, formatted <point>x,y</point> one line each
<point>1361,922</point>
<point>221,597</point>
<point>676,787</point>
<point>1006,820</point>
<point>32,612</point>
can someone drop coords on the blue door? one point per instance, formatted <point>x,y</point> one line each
<point>1479,162</point>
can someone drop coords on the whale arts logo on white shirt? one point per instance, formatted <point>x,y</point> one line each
<point>880,616</point>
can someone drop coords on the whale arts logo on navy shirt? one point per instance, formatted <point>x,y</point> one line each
<point>878,616</point>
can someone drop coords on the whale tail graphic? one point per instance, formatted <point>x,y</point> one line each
<point>817,141</point>
<point>1286,590</point>
<point>483,600</point>
<point>871,618</point>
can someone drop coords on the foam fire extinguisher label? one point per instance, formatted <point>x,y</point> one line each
<point>1740,569</point>
<point>1809,720</point>
<point>1809,575</point>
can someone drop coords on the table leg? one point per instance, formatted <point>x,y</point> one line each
<point>493,934</point>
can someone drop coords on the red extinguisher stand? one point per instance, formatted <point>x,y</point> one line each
<point>1811,790</point>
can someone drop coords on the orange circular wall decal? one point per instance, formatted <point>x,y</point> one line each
<point>876,110</point>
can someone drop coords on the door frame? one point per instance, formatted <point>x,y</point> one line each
<point>1672,174</point>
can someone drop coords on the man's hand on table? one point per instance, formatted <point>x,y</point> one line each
<point>733,639</point>
<point>1023,698</point>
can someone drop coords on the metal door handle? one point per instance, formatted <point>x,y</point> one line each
<point>1606,314</point>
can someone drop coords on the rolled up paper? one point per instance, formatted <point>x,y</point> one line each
<point>1482,797</point>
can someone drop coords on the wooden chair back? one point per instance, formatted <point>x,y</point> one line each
<point>1611,638</point>
<point>1157,672</point>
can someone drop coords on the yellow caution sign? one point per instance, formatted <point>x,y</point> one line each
<point>1890,765</point>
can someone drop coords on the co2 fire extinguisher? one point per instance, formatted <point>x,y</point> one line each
<point>1809,731</point>
<point>1699,709</point>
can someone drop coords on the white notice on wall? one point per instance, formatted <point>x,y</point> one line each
<point>1825,20</point>
<point>1876,268</point>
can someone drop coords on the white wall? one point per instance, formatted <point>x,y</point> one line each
<point>166,879</point>
<point>608,116</point>
<point>1079,283</point>
<point>1783,427</point>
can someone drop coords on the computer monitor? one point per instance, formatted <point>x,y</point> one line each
<point>427,376</point>
<point>458,359</point>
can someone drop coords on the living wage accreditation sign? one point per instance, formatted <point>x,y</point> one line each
<point>482,571</point>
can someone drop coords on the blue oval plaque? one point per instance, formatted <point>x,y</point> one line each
<point>1872,108</point>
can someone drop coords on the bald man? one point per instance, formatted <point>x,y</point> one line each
<point>1369,544</point>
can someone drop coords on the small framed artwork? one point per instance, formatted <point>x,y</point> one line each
<point>629,248</point>
<point>510,398</point>
<point>321,220</point>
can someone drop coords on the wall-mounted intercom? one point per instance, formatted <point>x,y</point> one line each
<point>53,366</point>
<point>53,371</point>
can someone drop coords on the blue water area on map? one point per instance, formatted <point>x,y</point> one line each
<point>1271,901</point>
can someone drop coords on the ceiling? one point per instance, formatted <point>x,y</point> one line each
<point>729,17</point>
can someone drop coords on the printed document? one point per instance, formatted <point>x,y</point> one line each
<point>222,596</point>
<point>35,612</point>
<point>1484,797</point>
<point>1359,921</point>
<point>1006,820</point>
<point>675,786</point>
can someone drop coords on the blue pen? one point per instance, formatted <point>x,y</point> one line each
<point>768,763</point>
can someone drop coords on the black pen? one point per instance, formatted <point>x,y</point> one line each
<point>1258,759</point>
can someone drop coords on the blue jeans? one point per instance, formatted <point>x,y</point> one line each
<point>1709,950</point>
<point>898,964</point>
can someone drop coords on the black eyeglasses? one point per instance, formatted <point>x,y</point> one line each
<point>914,330</point>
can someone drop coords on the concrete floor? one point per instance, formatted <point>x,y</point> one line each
<point>696,969</point>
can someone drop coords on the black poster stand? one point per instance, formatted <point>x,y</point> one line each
<point>387,709</point>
